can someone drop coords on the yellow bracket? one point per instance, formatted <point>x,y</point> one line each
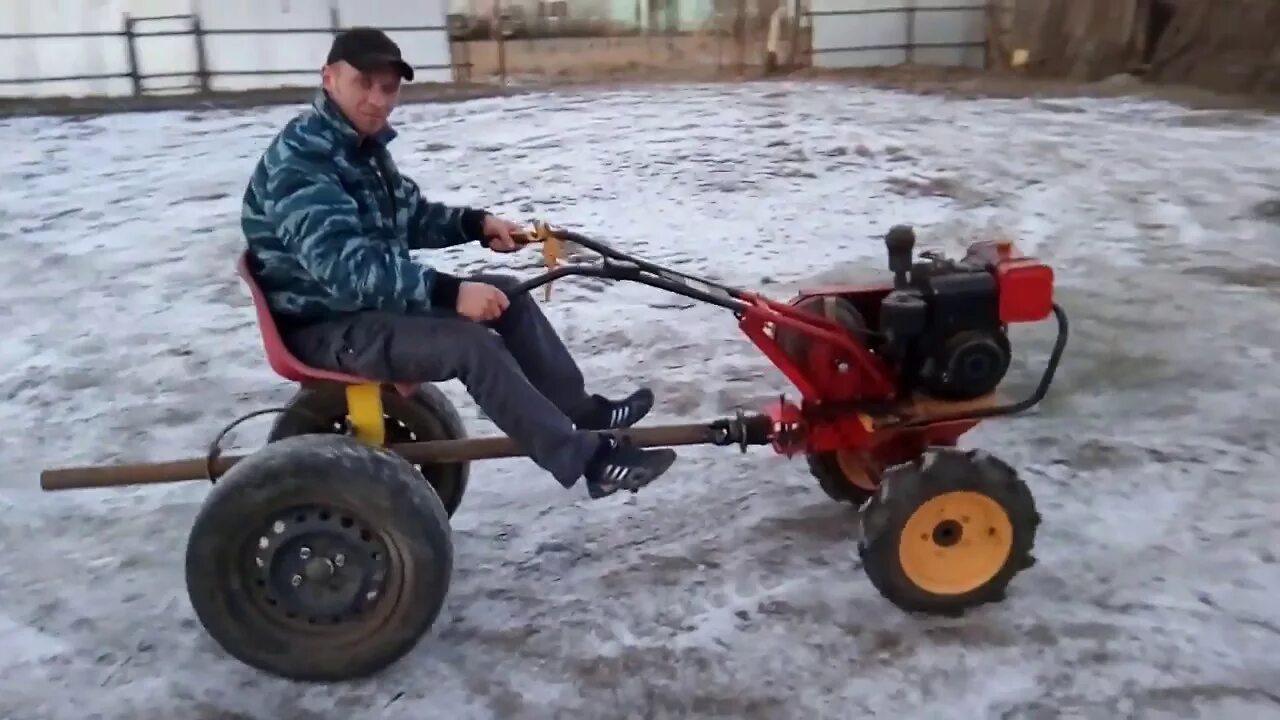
<point>551,250</point>
<point>364,412</point>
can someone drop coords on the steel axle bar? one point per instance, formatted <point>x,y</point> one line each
<point>742,431</point>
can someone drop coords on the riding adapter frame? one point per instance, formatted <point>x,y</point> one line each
<point>327,554</point>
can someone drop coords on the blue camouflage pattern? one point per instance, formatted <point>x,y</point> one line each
<point>330,222</point>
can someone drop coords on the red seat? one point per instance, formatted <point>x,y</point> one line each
<point>281,360</point>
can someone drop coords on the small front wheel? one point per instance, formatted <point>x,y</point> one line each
<point>319,558</point>
<point>948,532</point>
<point>846,476</point>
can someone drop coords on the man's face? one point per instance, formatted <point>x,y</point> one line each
<point>366,98</point>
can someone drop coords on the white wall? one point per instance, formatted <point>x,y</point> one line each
<point>231,53</point>
<point>831,32</point>
<point>37,58</point>
<point>24,58</point>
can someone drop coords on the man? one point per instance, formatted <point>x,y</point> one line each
<point>330,223</point>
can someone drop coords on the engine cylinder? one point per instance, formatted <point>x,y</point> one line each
<point>903,314</point>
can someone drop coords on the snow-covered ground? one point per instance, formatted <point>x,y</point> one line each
<point>731,588</point>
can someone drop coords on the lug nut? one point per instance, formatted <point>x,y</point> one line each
<point>296,581</point>
<point>304,553</point>
<point>339,560</point>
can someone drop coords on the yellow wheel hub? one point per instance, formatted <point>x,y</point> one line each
<point>955,542</point>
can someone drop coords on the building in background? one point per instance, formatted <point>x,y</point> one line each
<point>474,19</point>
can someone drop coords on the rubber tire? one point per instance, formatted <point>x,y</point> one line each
<point>429,414</point>
<point>826,468</point>
<point>906,488</point>
<point>373,483</point>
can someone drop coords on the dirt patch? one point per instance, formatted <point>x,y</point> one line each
<point>966,83</point>
<point>1268,210</point>
<point>949,187</point>
<point>1262,276</point>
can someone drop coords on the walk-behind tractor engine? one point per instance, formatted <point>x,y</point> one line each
<point>327,554</point>
<point>942,327</point>
<point>944,324</point>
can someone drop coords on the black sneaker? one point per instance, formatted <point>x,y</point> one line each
<point>606,414</point>
<point>619,465</point>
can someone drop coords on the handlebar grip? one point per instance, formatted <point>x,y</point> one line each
<point>540,232</point>
<point>522,237</point>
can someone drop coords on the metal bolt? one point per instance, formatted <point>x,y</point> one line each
<point>371,595</point>
<point>843,367</point>
<point>278,527</point>
<point>304,553</point>
<point>339,559</point>
<point>296,581</point>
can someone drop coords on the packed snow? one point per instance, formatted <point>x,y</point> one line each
<point>730,588</point>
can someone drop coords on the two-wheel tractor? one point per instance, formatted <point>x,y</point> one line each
<point>326,555</point>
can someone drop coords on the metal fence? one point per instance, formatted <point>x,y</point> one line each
<point>201,77</point>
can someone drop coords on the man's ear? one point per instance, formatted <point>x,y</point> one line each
<point>328,75</point>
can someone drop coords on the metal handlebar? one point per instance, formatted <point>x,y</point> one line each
<point>618,265</point>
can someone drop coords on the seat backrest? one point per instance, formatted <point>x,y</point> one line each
<point>278,356</point>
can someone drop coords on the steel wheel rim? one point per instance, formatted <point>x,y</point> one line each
<point>333,608</point>
<point>955,542</point>
<point>397,431</point>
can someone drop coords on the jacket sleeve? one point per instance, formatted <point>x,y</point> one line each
<point>436,225</point>
<point>314,216</point>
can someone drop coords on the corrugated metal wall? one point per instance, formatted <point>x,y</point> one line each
<point>863,38</point>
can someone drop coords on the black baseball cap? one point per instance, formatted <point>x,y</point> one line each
<point>367,49</point>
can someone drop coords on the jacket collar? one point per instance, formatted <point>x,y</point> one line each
<point>329,112</point>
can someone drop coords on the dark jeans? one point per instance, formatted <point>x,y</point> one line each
<point>516,368</point>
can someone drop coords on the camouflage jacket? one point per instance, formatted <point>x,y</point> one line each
<point>330,222</point>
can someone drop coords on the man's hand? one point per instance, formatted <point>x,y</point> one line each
<point>498,232</point>
<point>481,302</point>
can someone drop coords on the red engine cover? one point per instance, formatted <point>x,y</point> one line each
<point>1026,290</point>
<point>1025,285</point>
